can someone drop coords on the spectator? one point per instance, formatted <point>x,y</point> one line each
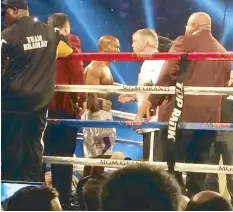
<point>91,190</point>
<point>48,181</point>
<point>140,188</point>
<point>183,203</point>
<point>33,198</point>
<point>208,201</point>
<point>99,170</point>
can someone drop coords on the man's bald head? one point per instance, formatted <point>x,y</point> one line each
<point>108,43</point>
<point>208,201</point>
<point>198,21</point>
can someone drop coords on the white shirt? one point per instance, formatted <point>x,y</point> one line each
<point>150,72</point>
<point>230,98</point>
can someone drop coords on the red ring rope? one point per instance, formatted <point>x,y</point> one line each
<point>129,56</point>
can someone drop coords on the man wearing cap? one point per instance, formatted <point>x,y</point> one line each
<point>29,50</point>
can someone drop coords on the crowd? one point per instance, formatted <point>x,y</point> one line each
<point>132,188</point>
<point>41,55</point>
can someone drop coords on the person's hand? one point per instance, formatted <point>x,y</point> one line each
<point>48,178</point>
<point>126,98</point>
<point>138,118</point>
<point>149,83</point>
<point>83,108</point>
<point>151,112</point>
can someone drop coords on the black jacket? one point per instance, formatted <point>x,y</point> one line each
<point>28,80</point>
<point>227,110</point>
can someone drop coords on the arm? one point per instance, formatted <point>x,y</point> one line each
<point>143,106</point>
<point>5,46</point>
<point>228,74</point>
<point>76,71</point>
<point>147,77</point>
<point>143,103</point>
<point>93,77</point>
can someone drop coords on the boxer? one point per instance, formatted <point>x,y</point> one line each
<point>99,141</point>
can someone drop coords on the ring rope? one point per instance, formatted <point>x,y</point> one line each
<point>156,89</point>
<point>123,115</point>
<point>190,90</point>
<point>144,124</point>
<point>181,167</point>
<point>77,167</point>
<point>130,56</point>
<point>118,139</point>
<point>116,83</point>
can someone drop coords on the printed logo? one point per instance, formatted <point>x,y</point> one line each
<point>35,42</point>
<point>172,124</point>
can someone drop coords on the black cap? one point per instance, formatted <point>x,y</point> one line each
<point>19,4</point>
<point>164,44</point>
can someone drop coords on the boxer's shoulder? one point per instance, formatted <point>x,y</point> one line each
<point>92,67</point>
<point>95,66</point>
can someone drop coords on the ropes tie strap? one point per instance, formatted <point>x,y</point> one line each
<point>176,113</point>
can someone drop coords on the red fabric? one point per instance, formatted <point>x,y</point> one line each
<point>199,73</point>
<point>129,56</point>
<point>69,71</point>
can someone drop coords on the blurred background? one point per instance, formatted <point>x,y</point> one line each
<point>90,19</point>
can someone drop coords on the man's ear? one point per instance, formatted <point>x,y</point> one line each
<point>15,10</point>
<point>105,49</point>
<point>194,26</point>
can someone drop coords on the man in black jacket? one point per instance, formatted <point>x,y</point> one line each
<point>223,146</point>
<point>29,50</point>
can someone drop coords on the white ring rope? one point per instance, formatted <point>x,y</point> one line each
<point>144,89</point>
<point>123,115</point>
<point>118,139</point>
<point>116,83</point>
<point>181,167</point>
<point>77,167</point>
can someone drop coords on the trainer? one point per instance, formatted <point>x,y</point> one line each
<point>60,140</point>
<point>193,146</point>
<point>30,49</point>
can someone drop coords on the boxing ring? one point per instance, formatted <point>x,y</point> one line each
<point>152,125</point>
